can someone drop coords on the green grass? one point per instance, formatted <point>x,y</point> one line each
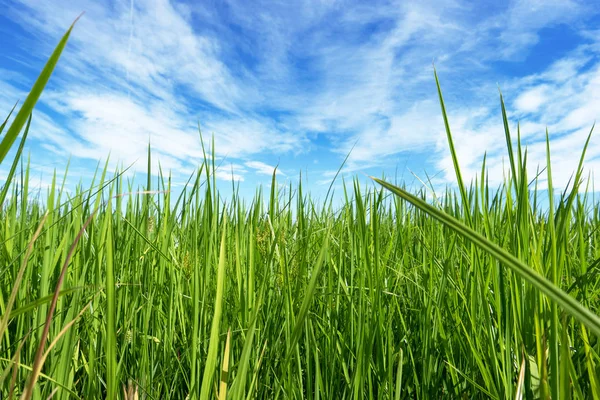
<point>484,295</point>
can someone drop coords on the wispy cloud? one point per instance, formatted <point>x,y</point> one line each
<point>262,168</point>
<point>121,86</point>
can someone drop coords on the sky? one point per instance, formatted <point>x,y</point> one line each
<point>302,84</point>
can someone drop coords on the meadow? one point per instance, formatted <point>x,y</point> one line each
<point>119,291</point>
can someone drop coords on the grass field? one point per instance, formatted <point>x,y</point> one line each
<point>486,293</point>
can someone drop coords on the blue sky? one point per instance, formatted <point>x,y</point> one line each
<point>299,83</point>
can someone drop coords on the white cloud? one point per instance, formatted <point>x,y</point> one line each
<point>532,99</point>
<point>119,90</point>
<point>260,167</point>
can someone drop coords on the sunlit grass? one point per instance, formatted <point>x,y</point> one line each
<point>109,292</point>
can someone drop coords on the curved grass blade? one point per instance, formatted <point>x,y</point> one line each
<point>569,304</point>
<point>511,154</point>
<point>33,96</point>
<point>461,185</point>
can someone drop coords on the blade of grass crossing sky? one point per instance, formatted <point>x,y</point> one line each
<point>461,185</point>
<point>33,96</point>
<point>337,173</point>
<point>511,155</point>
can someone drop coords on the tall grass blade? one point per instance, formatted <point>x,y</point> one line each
<point>33,96</point>
<point>211,358</point>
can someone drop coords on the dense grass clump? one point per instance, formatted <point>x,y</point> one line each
<point>114,291</point>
